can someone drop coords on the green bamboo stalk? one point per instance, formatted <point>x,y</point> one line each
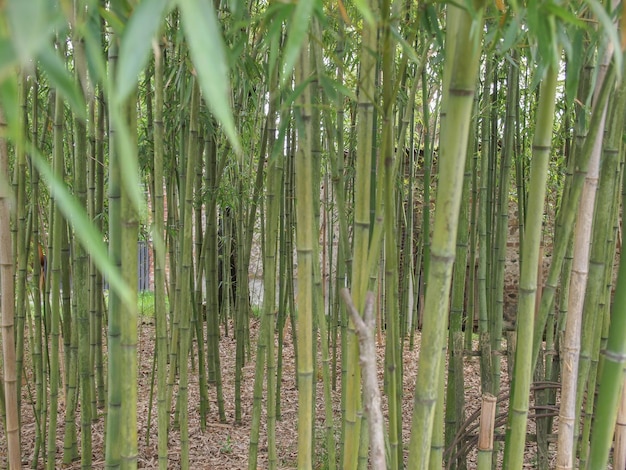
<point>197,311</point>
<point>484,244</point>
<point>121,437</point>
<point>470,314</point>
<point>159,256</point>
<point>177,193</point>
<point>611,378</point>
<point>455,402</point>
<point>38,287</point>
<point>338,182</point>
<point>186,277</point>
<point>286,269</point>
<point>518,412</point>
<point>93,286</point>
<point>240,318</point>
<point>265,342</point>
<point>499,246</point>
<point>97,356</point>
<point>245,222</point>
<point>390,159</point>
<point>21,238</point>
<point>70,348</point>
<point>55,287</point>
<point>46,296</point>
<point>454,132</point>
<point>129,332</point>
<point>81,294</point>
<point>113,443</point>
<point>319,315</point>
<point>361,238</point>
<point>211,234</point>
<point>305,231</point>
<point>7,306</point>
<point>428,165</point>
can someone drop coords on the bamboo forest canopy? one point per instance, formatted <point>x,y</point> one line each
<point>441,177</point>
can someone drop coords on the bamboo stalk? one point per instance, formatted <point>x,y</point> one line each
<point>619,452</point>
<point>486,432</point>
<point>159,256</point>
<point>365,328</point>
<point>7,307</point>
<point>568,410</point>
<point>361,238</point>
<point>454,138</point>
<point>55,287</point>
<point>304,244</point>
<point>518,411</point>
<point>186,276</point>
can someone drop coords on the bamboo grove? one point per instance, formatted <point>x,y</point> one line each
<point>441,177</point>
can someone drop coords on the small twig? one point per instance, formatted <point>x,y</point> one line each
<point>365,327</point>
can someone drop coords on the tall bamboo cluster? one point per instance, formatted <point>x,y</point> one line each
<point>458,165</point>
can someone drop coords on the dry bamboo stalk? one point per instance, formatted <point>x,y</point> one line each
<point>365,327</point>
<point>485,434</point>
<point>487,419</point>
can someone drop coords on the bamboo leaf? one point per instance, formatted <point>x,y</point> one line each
<point>93,45</point>
<point>430,21</point>
<point>8,58</point>
<point>366,11</point>
<point>611,31</point>
<point>273,19</point>
<point>89,237</point>
<point>204,36</point>
<point>61,79</point>
<point>406,47</point>
<point>32,23</point>
<point>136,43</point>
<point>297,31</point>
<point>567,16</point>
<point>113,20</point>
<point>10,106</point>
<point>332,87</point>
<point>511,35</point>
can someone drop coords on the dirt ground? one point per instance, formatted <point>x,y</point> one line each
<point>225,445</point>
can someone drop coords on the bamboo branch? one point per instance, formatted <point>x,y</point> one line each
<point>365,327</point>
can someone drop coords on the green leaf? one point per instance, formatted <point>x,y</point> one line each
<point>610,29</point>
<point>567,16</point>
<point>297,31</point>
<point>32,24</point>
<point>406,47</point>
<point>85,231</point>
<point>332,87</point>
<point>11,106</point>
<point>366,12</point>
<point>136,43</point>
<point>91,33</point>
<point>430,21</point>
<point>112,20</point>
<point>511,35</point>
<point>8,59</point>
<point>206,45</point>
<point>273,19</point>
<point>62,80</point>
